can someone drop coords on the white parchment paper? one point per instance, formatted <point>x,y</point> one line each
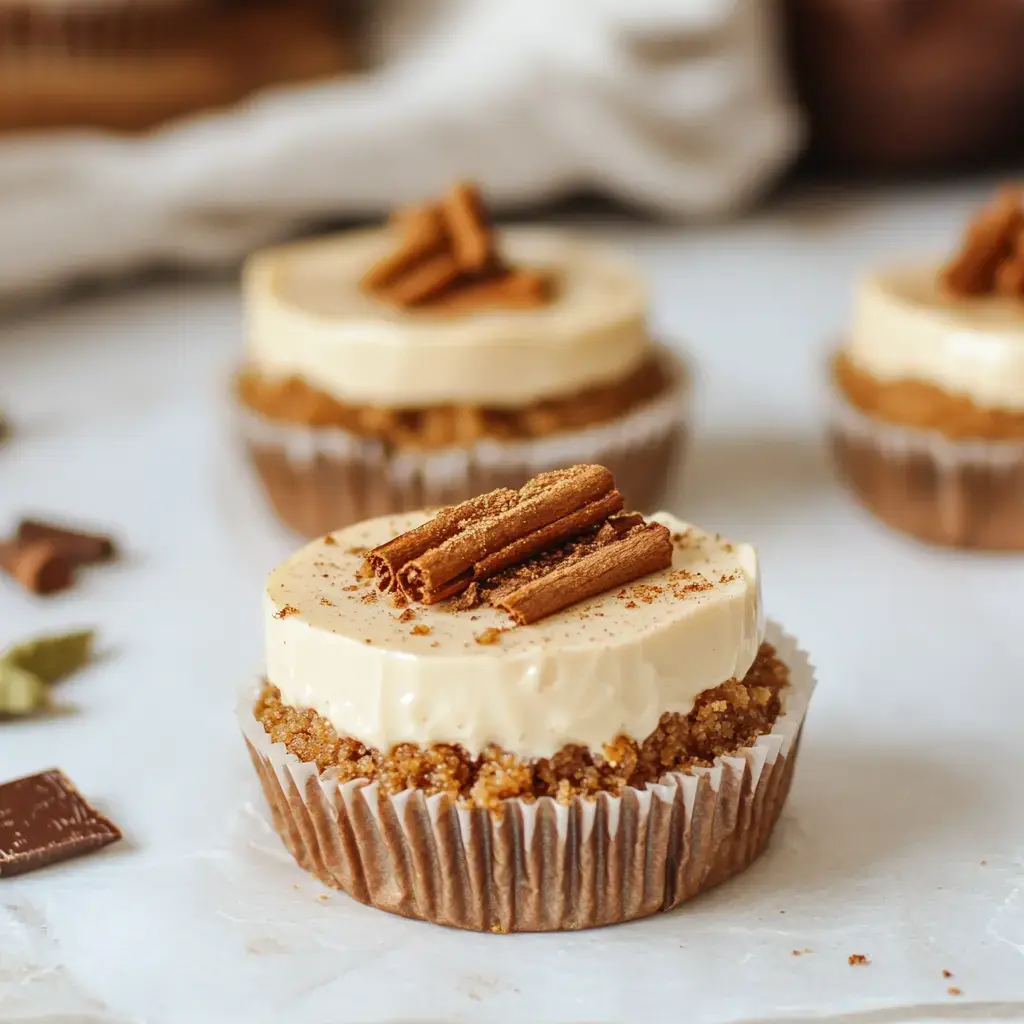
<point>903,838</point>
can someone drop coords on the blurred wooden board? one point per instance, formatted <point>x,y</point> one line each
<point>228,55</point>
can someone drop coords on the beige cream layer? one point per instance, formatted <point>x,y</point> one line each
<point>906,328</point>
<point>609,666</point>
<point>307,317</point>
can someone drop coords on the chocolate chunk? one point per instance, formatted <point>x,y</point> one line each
<point>78,547</point>
<point>38,566</point>
<point>43,820</point>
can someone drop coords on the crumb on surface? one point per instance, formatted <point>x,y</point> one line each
<point>953,991</point>
<point>283,613</point>
<point>420,630</point>
<point>946,974</point>
<point>858,960</point>
<point>489,636</point>
<point>723,720</point>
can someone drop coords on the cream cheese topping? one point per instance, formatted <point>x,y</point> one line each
<point>906,328</point>
<point>307,317</point>
<point>606,667</point>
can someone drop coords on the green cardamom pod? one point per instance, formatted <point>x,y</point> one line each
<point>21,691</point>
<point>52,658</point>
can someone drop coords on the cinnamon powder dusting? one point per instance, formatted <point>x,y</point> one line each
<point>558,540</point>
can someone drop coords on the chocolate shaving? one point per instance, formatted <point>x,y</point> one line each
<point>557,541</point>
<point>991,259</point>
<point>44,819</point>
<point>77,546</point>
<point>447,259</point>
<point>40,566</point>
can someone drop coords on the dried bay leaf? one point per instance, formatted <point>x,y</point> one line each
<point>21,691</point>
<point>52,658</point>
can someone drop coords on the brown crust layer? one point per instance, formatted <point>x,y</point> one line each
<point>295,401</point>
<point>724,719</point>
<point>924,406</point>
<point>965,504</point>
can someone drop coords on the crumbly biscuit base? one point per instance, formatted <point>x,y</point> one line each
<point>539,866</point>
<point>959,493</point>
<point>321,479</point>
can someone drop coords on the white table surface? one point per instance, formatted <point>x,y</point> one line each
<point>904,836</point>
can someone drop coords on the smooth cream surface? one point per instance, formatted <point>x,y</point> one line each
<point>906,328</point>
<point>606,667</point>
<point>307,317</point>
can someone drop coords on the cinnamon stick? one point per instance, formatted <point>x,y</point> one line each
<point>644,550</point>
<point>40,566</point>
<point>447,258</point>
<point>423,234</point>
<point>423,281</point>
<point>562,493</point>
<point>468,227</point>
<point>79,547</point>
<point>989,242</point>
<point>385,560</point>
<point>549,536</point>
<point>513,289</point>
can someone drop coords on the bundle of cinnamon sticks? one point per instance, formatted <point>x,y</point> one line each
<point>448,259</point>
<point>558,540</point>
<point>991,260</point>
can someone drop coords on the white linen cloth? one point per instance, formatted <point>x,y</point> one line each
<point>676,106</point>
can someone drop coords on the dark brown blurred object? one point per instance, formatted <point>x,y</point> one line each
<point>131,69</point>
<point>910,84</point>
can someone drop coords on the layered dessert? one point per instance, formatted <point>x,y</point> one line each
<point>929,388</point>
<point>130,65</point>
<point>531,711</point>
<point>435,358</point>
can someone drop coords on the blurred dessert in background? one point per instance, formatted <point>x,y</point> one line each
<point>929,389</point>
<point>427,361</point>
<point>910,84</point>
<point>130,65</point>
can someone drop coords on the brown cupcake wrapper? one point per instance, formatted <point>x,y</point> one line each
<point>321,479</point>
<point>962,493</point>
<point>539,866</point>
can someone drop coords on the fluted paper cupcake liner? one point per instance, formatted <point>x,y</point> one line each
<point>963,493</point>
<point>320,479</point>
<point>542,865</point>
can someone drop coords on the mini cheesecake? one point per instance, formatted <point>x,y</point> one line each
<point>929,388</point>
<point>360,398</point>
<point>450,693</point>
